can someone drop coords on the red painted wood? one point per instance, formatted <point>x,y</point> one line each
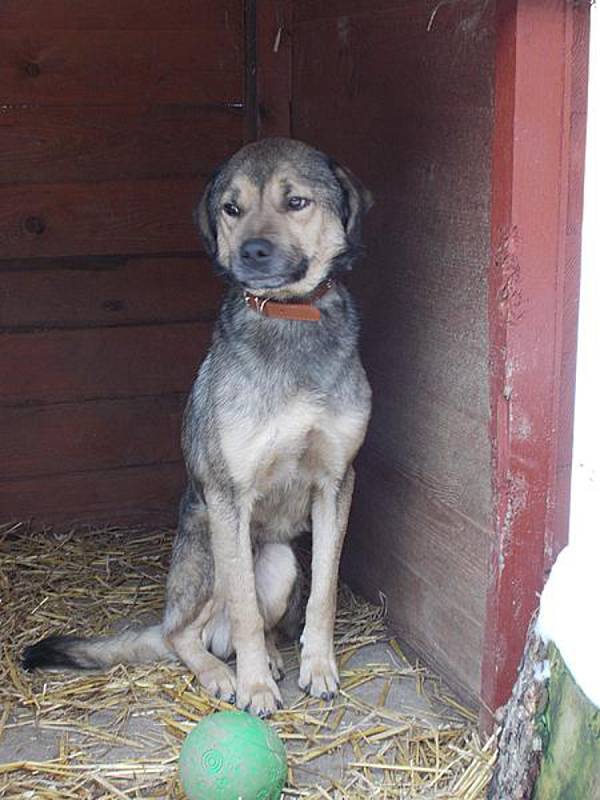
<point>96,67</point>
<point>47,220</point>
<point>111,119</point>
<point>58,366</point>
<point>346,9</point>
<point>146,494</point>
<point>274,67</point>
<point>207,15</point>
<point>98,434</point>
<point>111,291</point>
<point>104,143</point>
<point>532,326</point>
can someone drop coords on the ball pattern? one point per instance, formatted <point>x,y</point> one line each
<point>212,761</point>
<point>233,756</point>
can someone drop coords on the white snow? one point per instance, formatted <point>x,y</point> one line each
<point>570,611</point>
<point>541,672</point>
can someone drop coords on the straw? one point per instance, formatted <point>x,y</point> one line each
<point>118,734</point>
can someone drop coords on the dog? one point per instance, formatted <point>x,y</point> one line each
<point>276,415</point>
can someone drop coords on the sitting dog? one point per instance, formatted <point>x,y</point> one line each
<point>276,416</point>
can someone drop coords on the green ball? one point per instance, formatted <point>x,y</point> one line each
<point>232,756</point>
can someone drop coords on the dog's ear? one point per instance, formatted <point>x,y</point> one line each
<point>204,218</point>
<point>357,201</point>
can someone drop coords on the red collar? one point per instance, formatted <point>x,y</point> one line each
<point>281,309</point>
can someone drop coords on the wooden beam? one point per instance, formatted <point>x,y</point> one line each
<point>541,79</point>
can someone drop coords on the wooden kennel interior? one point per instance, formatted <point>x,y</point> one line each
<point>466,118</point>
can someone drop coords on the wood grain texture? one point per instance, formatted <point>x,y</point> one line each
<point>91,292</point>
<point>127,495</point>
<point>57,366</point>
<point>112,118</point>
<point>98,434</point>
<point>274,67</point>
<point>95,67</point>
<point>151,216</point>
<point>207,15</point>
<point>108,143</point>
<point>541,53</point>
<point>312,10</point>
<point>407,542</point>
<point>407,109</point>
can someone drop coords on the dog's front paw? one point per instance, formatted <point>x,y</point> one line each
<point>217,679</point>
<point>319,675</point>
<point>260,697</point>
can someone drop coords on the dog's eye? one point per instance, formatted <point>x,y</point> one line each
<point>231,210</point>
<point>298,203</point>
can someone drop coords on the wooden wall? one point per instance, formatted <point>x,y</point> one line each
<point>404,95</point>
<point>113,113</point>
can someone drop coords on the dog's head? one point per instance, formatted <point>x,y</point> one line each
<point>280,217</point>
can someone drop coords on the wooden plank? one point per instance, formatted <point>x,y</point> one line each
<point>58,366</point>
<point>151,216</point>
<point>413,554</point>
<point>341,57</point>
<point>121,15</point>
<point>97,434</point>
<point>113,291</point>
<point>274,67</point>
<point>63,67</point>
<point>128,495</point>
<point>435,533</point>
<point>312,10</point>
<point>104,143</point>
<point>407,109</point>
<point>428,542</point>
<point>250,67</point>
<point>531,276</point>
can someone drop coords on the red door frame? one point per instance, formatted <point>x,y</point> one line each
<point>537,189</point>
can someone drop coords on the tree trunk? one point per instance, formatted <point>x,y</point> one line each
<point>549,739</point>
<point>520,741</point>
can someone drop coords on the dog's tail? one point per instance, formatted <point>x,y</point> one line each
<point>132,646</point>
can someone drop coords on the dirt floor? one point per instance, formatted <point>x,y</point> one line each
<point>394,731</point>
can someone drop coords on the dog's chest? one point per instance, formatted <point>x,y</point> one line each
<point>306,441</point>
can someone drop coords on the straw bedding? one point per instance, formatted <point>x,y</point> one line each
<point>393,732</point>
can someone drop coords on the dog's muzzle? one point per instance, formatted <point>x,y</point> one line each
<point>262,265</point>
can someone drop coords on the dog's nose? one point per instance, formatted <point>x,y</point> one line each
<point>256,252</point>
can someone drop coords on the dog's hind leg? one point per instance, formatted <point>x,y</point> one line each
<point>276,572</point>
<point>331,506</point>
<point>276,575</point>
<point>190,600</point>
